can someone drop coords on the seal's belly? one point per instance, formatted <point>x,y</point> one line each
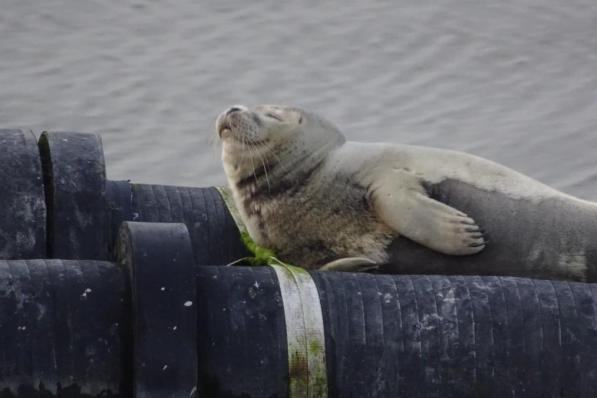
<point>312,228</point>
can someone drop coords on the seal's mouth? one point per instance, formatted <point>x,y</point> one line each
<point>223,127</point>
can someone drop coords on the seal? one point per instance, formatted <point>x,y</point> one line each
<point>322,202</point>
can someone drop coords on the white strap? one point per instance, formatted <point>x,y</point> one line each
<point>304,331</point>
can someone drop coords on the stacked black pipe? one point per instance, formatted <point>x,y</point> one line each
<point>80,328</point>
<point>81,211</point>
<point>88,328</point>
<point>85,209</point>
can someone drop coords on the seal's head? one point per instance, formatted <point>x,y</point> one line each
<point>272,135</point>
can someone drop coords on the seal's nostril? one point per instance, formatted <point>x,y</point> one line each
<point>232,110</point>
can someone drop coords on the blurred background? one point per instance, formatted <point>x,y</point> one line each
<point>514,81</point>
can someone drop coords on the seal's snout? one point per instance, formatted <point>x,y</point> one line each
<point>225,120</point>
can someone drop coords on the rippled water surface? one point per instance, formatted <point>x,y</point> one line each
<point>514,81</point>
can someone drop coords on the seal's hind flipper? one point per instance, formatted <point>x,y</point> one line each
<point>401,202</point>
<point>350,264</point>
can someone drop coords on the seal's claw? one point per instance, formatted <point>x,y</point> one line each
<point>465,220</point>
<point>455,235</point>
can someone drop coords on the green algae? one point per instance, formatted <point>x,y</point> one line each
<point>260,255</point>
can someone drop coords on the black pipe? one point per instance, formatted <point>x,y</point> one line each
<point>64,329</point>
<point>214,235</point>
<point>85,209</point>
<point>402,336</point>
<point>23,214</point>
<point>74,177</point>
<point>160,261</point>
<point>241,334</point>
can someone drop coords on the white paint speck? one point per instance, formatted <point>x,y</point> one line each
<point>174,327</point>
<point>188,303</point>
<point>163,289</point>
<point>387,298</point>
<point>164,367</point>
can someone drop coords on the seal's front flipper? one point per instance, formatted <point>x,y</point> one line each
<point>401,203</point>
<point>350,264</point>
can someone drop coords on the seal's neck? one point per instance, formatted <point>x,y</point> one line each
<point>278,171</point>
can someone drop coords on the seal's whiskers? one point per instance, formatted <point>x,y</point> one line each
<point>245,141</point>
<point>263,163</point>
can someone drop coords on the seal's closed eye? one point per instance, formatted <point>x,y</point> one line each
<point>273,116</point>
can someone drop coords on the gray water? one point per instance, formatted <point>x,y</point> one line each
<point>513,81</point>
